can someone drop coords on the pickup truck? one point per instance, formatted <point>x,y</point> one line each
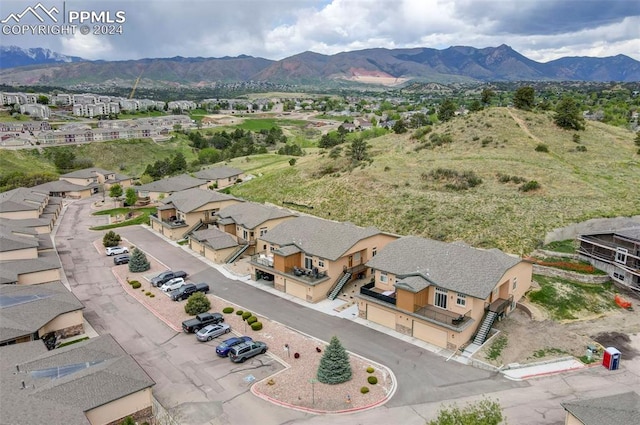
<point>200,321</point>
<point>163,278</point>
<point>187,290</point>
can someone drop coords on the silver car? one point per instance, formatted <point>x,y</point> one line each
<point>212,331</point>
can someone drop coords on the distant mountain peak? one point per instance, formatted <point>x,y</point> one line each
<point>14,56</point>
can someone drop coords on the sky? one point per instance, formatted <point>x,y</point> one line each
<point>541,30</point>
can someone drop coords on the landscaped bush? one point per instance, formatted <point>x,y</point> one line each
<point>147,293</point>
<point>364,390</point>
<point>370,369</point>
<point>252,319</point>
<point>111,238</point>
<point>227,310</point>
<point>256,326</point>
<point>135,284</point>
<point>246,315</point>
<point>372,380</point>
<point>131,282</point>
<point>239,312</point>
<point>197,303</point>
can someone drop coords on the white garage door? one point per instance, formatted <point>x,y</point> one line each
<point>430,334</point>
<point>381,316</point>
<point>296,290</point>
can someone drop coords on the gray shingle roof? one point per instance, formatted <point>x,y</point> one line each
<point>61,186</point>
<point>630,232</point>
<point>215,173</point>
<point>250,215</point>
<point>21,199</point>
<point>10,269</point>
<point>171,184</point>
<point>107,374</point>
<point>87,173</point>
<point>318,237</point>
<point>621,409</point>
<point>26,308</point>
<point>455,266</point>
<point>191,199</point>
<point>215,238</point>
<point>11,240</point>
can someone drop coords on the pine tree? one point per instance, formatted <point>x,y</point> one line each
<point>334,365</point>
<point>111,238</point>
<point>138,262</point>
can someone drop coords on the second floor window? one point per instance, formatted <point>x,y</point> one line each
<point>621,255</point>
<point>383,277</point>
<point>440,299</point>
<point>461,300</point>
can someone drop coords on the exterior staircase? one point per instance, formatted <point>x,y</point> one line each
<point>194,228</point>
<point>237,253</point>
<point>339,285</point>
<point>485,327</point>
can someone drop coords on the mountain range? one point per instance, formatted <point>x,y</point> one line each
<point>371,66</point>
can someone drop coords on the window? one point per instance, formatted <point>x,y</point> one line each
<point>440,298</point>
<point>263,231</point>
<point>383,277</point>
<point>515,283</point>
<point>308,263</point>
<point>374,251</point>
<point>618,276</point>
<point>461,300</point>
<point>320,262</point>
<point>621,255</point>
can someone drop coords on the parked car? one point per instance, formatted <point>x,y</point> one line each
<point>186,290</point>
<point>173,284</point>
<point>164,277</point>
<point>246,350</point>
<point>225,346</point>
<point>121,259</point>
<point>212,331</point>
<point>200,321</point>
<point>116,250</point>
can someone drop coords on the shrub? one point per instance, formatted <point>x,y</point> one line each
<point>256,326</point>
<point>239,312</point>
<point>197,303</point>
<point>370,369</point>
<point>131,282</point>
<point>152,296</point>
<point>111,238</point>
<point>135,284</point>
<point>296,355</point>
<point>147,293</point>
<point>529,186</point>
<point>581,148</point>
<point>246,315</point>
<point>227,310</point>
<point>364,390</point>
<point>542,148</point>
<point>252,319</point>
<point>372,380</point>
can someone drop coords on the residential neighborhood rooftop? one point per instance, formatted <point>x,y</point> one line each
<point>620,409</point>
<point>251,215</point>
<point>191,199</point>
<point>87,173</point>
<point>430,262</point>
<point>215,173</point>
<point>215,238</point>
<point>59,386</point>
<point>21,199</point>
<point>10,270</point>
<point>171,184</point>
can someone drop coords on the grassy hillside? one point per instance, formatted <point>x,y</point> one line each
<point>397,194</point>
<point>25,161</point>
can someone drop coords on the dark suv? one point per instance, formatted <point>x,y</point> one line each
<point>121,259</point>
<point>186,290</point>
<point>165,277</point>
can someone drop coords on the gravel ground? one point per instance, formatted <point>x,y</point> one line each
<point>292,387</point>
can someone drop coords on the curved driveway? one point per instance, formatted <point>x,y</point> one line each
<point>201,389</point>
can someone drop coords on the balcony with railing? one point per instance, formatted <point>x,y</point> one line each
<point>386,296</point>
<point>444,317</point>
<point>307,276</point>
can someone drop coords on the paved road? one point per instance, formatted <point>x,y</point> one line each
<point>205,390</point>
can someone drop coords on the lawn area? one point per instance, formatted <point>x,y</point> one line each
<point>256,125</point>
<point>139,216</point>
<point>568,300</point>
<point>568,246</point>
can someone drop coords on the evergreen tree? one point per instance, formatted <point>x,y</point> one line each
<point>138,262</point>
<point>334,365</point>
<point>197,303</point>
<point>524,98</point>
<point>399,127</point>
<point>568,114</point>
<point>447,110</point>
<point>358,150</point>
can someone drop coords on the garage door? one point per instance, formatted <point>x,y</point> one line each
<point>430,334</point>
<point>381,316</point>
<point>296,290</point>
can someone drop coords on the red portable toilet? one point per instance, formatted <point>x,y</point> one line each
<point>611,358</point>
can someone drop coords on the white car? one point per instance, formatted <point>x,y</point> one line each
<point>173,284</point>
<point>116,250</point>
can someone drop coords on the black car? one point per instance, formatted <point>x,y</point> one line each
<point>185,291</point>
<point>163,278</point>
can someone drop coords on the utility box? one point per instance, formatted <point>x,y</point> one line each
<point>611,358</point>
